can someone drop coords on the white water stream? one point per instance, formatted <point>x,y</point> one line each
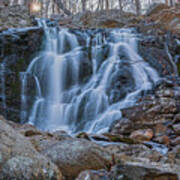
<point>64,99</point>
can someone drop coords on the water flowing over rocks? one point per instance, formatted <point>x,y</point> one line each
<point>17,47</point>
<point>142,142</point>
<point>65,95</point>
<point>159,112</point>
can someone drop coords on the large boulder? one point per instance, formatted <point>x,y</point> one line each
<point>131,171</point>
<point>93,175</point>
<point>74,156</point>
<point>134,171</point>
<point>19,160</point>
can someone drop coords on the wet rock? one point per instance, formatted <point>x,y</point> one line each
<point>83,135</point>
<point>19,160</point>
<point>120,138</point>
<point>17,49</point>
<point>99,137</point>
<point>142,135</point>
<point>74,156</point>
<point>134,171</point>
<point>176,151</point>
<point>39,139</point>
<point>176,141</point>
<point>61,135</point>
<point>157,112</point>
<point>160,130</point>
<point>93,175</point>
<point>42,140</point>
<point>163,140</point>
<point>176,128</point>
<point>177,118</point>
<point>121,83</point>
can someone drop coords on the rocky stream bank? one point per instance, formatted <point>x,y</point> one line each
<point>143,145</point>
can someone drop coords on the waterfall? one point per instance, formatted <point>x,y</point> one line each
<point>2,87</point>
<point>84,78</point>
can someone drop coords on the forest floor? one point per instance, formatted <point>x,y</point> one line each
<point>161,17</point>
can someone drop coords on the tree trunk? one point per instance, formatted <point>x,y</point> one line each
<point>61,6</point>
<point>171,3</point>
<point>107,4</point>
<point>138,7</point>
<point>83,2</point>
<point>102,4</point>
<point>120,5</point>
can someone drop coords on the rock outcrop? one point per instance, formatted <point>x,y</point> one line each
<point>19,160</point>
<point>159,112</point>
<point>14,17</point>
<point>74,156</point>
<point>17,47</point>
<point>131,171</point>
<point>25,150</point>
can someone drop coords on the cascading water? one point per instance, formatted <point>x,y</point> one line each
<point>84,78</point>
<point>2,86</point>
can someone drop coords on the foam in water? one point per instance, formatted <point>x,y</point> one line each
<point>83,79</point>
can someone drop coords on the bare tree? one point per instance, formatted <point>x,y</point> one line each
<point>107,4</point>
<point>120,5</point>
<point>83,5</point>
<point>69,7</point>
<point>138,7</point>
<point>61,6</point>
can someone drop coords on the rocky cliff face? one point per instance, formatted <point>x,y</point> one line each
<point>17,47</point>
<point>14,17</point>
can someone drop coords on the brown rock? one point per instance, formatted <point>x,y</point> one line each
<point>93,175</point>
<point>163,140</point>
<point>131,171</point>
<point>19,160</point>
<point>177,118</point>
<point>156,8</point>
<point>83,135</point>
<point>61,135</point>
<point>74,156</point>
<point>176,128</point>
<point>142,135</point>
<point>40,140</point>
<point>141,171</point>
<point>176,141</point>
<point>176,151</point>
<point>120,138</point>
<point>160,130</point>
